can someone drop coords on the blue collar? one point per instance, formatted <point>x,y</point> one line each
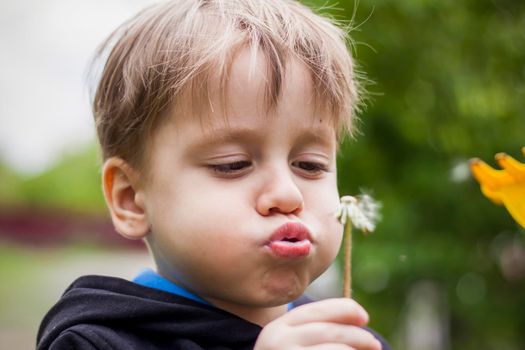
<point>151,279</point>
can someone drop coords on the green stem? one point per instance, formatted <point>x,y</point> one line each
<point>347,276</point>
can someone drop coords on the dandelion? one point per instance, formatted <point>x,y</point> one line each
<point>362,212</point>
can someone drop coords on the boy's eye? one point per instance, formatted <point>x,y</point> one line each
<point>310,167</point>
<point>231,168</point>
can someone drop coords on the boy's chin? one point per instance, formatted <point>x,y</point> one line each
<point>283,301</point>
<point>274,301</point>
<point>283,293</point>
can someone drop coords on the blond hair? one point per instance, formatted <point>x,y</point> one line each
<point>173,49</point>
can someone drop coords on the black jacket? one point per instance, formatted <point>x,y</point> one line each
<point>99,312</point>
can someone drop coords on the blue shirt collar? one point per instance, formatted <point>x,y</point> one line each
<point>149,278</point>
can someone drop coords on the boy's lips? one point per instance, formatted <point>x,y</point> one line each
<point>291,241</point>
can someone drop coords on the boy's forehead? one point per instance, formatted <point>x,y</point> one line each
<point>232,103</point>
<point>255,131</point>
<point>250,76</point>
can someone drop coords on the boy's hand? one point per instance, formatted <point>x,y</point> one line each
<point>332,324</point>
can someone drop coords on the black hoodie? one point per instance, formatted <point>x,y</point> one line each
<point>99,312</point>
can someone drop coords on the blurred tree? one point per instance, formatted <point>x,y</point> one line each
<point>72,184</point>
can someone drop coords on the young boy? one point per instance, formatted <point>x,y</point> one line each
<point>219,122</point>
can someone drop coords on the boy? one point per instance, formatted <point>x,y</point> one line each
<point>218,122</point>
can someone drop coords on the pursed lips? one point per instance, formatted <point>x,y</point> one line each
<point>290,241</point>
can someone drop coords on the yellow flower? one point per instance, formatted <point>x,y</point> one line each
<point>504,187</point>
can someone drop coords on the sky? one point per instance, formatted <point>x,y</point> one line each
<point>46,48</point>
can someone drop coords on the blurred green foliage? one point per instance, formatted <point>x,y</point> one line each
<point>72,184</point>
<point>449,85</point>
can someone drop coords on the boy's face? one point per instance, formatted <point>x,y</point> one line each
<point>242,210</point>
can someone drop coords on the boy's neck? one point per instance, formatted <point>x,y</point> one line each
<point>259,316</point>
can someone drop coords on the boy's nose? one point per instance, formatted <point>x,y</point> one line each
<point>280,194</point>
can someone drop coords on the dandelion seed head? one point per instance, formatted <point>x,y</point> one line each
<point>361,210</point>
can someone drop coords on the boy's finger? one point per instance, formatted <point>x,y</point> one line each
<point>322,333</point>
<point>340,310</point>
<point>330,346</point>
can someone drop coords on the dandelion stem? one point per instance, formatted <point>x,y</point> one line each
<point>347,276</point>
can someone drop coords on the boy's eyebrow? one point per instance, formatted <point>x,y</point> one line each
<point>308,134</point>
<point>325,136</point>
<point>216,136</point>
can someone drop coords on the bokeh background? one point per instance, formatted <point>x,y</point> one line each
<point>445,269</point>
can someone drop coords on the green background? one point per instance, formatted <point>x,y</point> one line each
<point>449,85</point>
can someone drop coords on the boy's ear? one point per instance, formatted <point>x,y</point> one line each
<point>124,198</point>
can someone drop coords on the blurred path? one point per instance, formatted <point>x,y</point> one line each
<point>33,279</point>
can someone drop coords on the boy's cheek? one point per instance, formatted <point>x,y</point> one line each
<point>335,239</point>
